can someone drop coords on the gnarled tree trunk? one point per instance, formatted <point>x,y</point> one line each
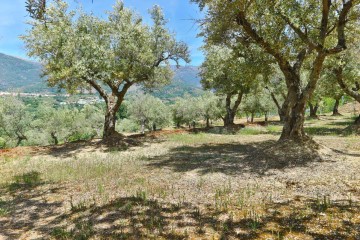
<point>110,121</point>
<point>231,111</point>
<point>20,138</point>
<point>113,103</point>
<point>207,122</point>
<point>54,137</point>
<point>336,107</point>
<point>313,110</point>
<point>294,121</point>
<point>353,92</point>
<point>357,120</point>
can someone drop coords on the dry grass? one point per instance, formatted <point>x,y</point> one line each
<point>185,186</point>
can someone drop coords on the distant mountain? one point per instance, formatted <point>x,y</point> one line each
<point>185,81</point>
<point>21,75</point>
<point>24,76</point>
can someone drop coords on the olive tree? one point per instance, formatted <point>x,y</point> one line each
<point>230,73</point>
<point>109,56</point>
<point>148,111</point>
<point>185,111</point>
<point>209,107</point>
<point>14,120</point>
<point>292,33</point>
<point>63,123</point>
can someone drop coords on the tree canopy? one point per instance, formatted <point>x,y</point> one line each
<point>86,52</point>
<point>298,35</point>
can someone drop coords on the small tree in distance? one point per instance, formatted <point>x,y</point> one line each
<point>14,120</point>
<point>149,112</point>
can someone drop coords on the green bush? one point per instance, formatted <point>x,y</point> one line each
<point>127,125</point>
<point>2,143</point>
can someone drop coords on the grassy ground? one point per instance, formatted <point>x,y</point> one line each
<point>185,186</point>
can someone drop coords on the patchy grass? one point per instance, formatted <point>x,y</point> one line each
<point>4,208</point>
<point>185,186</point>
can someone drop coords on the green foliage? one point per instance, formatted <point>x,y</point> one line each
<point>208,106</point>
<point>45,123</point>
<point>148,111</point>
<point>14,120</point>
<point>84,52</point>
<point>127,125</point>
<point>258,102</point>
<point>184,111</point>
<point>2,143</point>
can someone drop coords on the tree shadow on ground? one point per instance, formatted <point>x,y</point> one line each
<point>140,218</point>
<point>117,143</point>
<point>33,212</point>
<point>230,158</point>
<point>27,206</point>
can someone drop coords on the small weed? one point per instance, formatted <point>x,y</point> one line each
<point>4,208</point>
<point>254,219</point>
<point>322,204</point>
<point>222,198</point>
<point>141,194</point>
<point>82,231</point>
<point>80,206</point>
<point>61,234</point>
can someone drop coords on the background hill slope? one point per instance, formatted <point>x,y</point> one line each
<point>24,76</point>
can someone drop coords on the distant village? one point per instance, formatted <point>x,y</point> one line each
<point>83,100</point>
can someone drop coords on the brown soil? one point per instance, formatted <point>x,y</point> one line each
<point>174,184</point>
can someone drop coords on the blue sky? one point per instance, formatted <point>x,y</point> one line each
<point>180,13</point>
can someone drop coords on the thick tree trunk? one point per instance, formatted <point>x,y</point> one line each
<point>54,137</point>
<point>231,112</point>
<point>230,116</point>
<point>154,127</point>
<point>229,119</point>
<point>110,121</point>
<point>357,120</point>
<point>207,122</point>
<point>20,138</point>
<point>112,106</point>
<point>313,110</point>
<point>294,123</point>
<point>336,108</point>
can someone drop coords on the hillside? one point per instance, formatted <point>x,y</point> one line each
<point>20,75</point>
<point>185,81</point>
<point>24,76</point>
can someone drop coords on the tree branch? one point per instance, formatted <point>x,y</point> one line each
<point>99,89</point>
<point>324,20</point>
<point>242,21</point>
<point>303,36</point>
<point>340,79</point>
<point>341,45</point>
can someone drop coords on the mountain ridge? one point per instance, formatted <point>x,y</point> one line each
<point>21,75</point>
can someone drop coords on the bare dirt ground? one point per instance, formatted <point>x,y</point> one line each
<point>185,185</point>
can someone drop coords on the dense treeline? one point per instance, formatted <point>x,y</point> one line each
<point>43,121</point>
